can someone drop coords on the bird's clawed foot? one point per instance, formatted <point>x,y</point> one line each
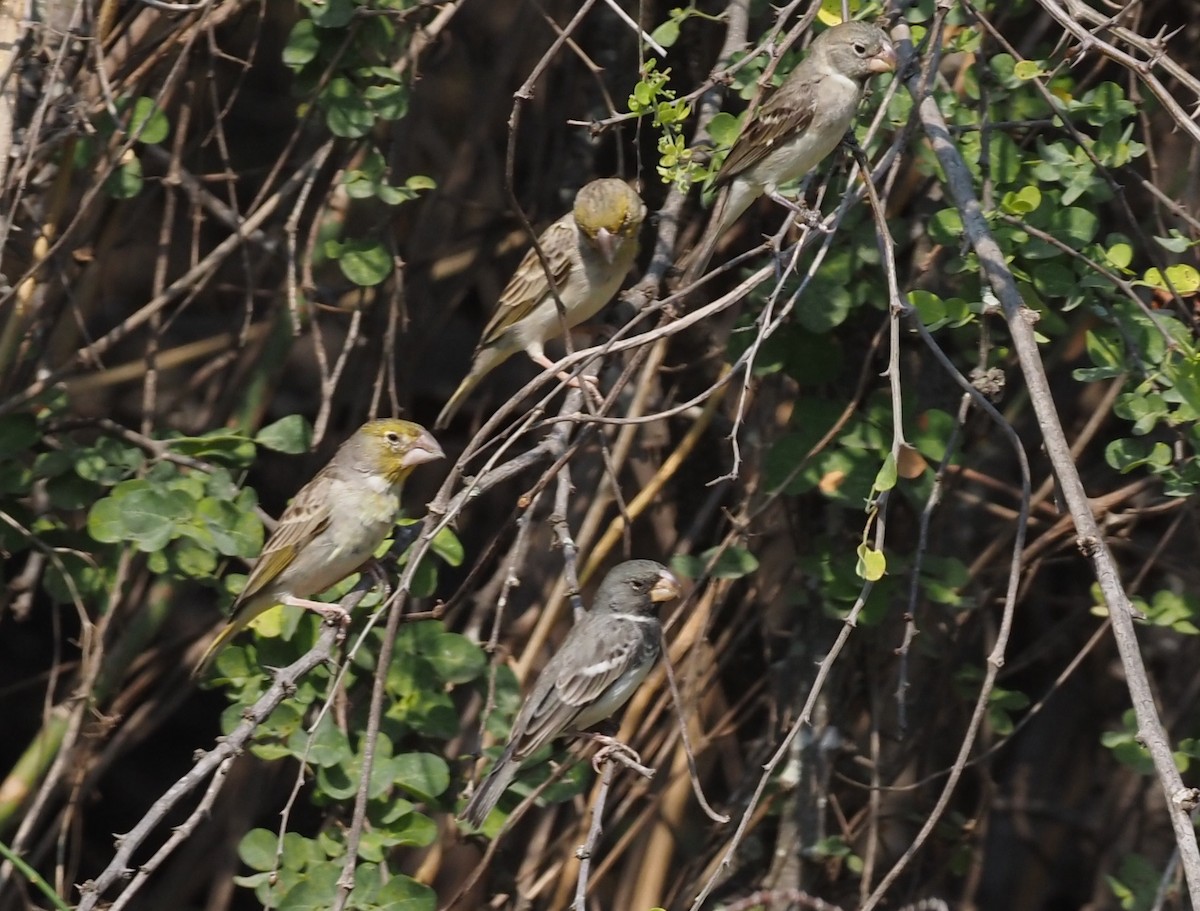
<point>586,383</point>
<point>333,614</point>
<point>808,218</point>
<point>612,750</point>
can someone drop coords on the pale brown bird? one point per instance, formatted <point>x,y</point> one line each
<point>333,525</point>
<point>796,128</point>
<point>589,251</point>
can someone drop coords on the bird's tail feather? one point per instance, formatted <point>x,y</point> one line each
<point>719,220</point>
<point>697,259</point>
<point>489,791</point>
<point>239,621</point>
<point>465,388</point>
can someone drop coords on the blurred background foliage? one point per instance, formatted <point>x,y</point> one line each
<point>233,231</point>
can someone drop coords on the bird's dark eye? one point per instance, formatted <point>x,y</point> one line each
<point>392,437</point>
<point>860,49</point>
<point>638,586</point>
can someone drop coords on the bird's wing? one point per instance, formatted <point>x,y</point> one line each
<point>596,656</point>
<point>528,285</point>
<point>788,112</point>
<point>305,518</point>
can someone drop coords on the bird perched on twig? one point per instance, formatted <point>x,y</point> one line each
<point>602,662</point>
<point>333,525</point>
<point>589,251</point>
<point>796,128</point>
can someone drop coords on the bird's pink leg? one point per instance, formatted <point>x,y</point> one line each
<point>810,218</point>
<point>589,384</point>
<point>333,613</point>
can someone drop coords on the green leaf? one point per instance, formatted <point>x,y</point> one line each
<point>447,546</point>
<point>1028,69</point>
<point>1136,884</point>
<point>666,34</point>
<point>224,446</point>
<point>235,532</point>
<point>403,893</point>
<point>330,14</point>
<point>138,513</point>
<point>347,113</point>
<point>148,123</point>
<point>126,181</point>
<point>415,830</point>
<point>1119,255</point>
<point>1074,225</point>
<point>108,462</point>
<point>946,227</point>
<point>929,307</point>
<point>1128,454</point>
<point>329,744</point>
<point>303,45</point>
<point>456,659</point>
<point>365,262</point>
<point>1182,277</point>
<point>723,129</point>
<point>732,563</point>
<point>886,478</point>
<point>389,102</point>
<point>257,849</point>
<point>1023,201</point>
<point>1176,242</point>
<point>872,564</point>
<point>291,434</point>
<point>423,774</point>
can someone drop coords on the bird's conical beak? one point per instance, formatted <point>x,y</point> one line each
<point>665,589</point>
<point>606,243</point>
<point>884,61</point>
<point>423,449</point>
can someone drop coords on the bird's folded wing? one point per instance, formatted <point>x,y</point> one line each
<point>597,662</point>
<point>529,284</point>
<point>303,520</point>
<point>783,115</point>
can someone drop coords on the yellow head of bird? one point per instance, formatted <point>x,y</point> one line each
<point>393,448</point>
<point>608,211</point>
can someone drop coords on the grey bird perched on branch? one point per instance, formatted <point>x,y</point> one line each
<point>796,128</point>
<point>602,662</point>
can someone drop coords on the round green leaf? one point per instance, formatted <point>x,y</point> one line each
<point>291,434</point>
<point>346,111</point>
<point>456,658</point>
<point>257,849</point>
<point>126,181</point>
<point>303,45</point>
<point>733,562</point>
<point>365,262</point>
<point>1119,255</point>
<point>331,13</point>
<point>423,774</point>
<point>872,564</point>
<point>148,123</point>
<point>723,129</point>
<point>1028,69</point>
<point>1182,277</point>
<point>403,893</point>
<point>447,546</point>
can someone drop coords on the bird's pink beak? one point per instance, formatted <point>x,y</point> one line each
<point>665,588</point>
<point>424,449</point>
<point>884,61</point>
<point>606,243</point>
